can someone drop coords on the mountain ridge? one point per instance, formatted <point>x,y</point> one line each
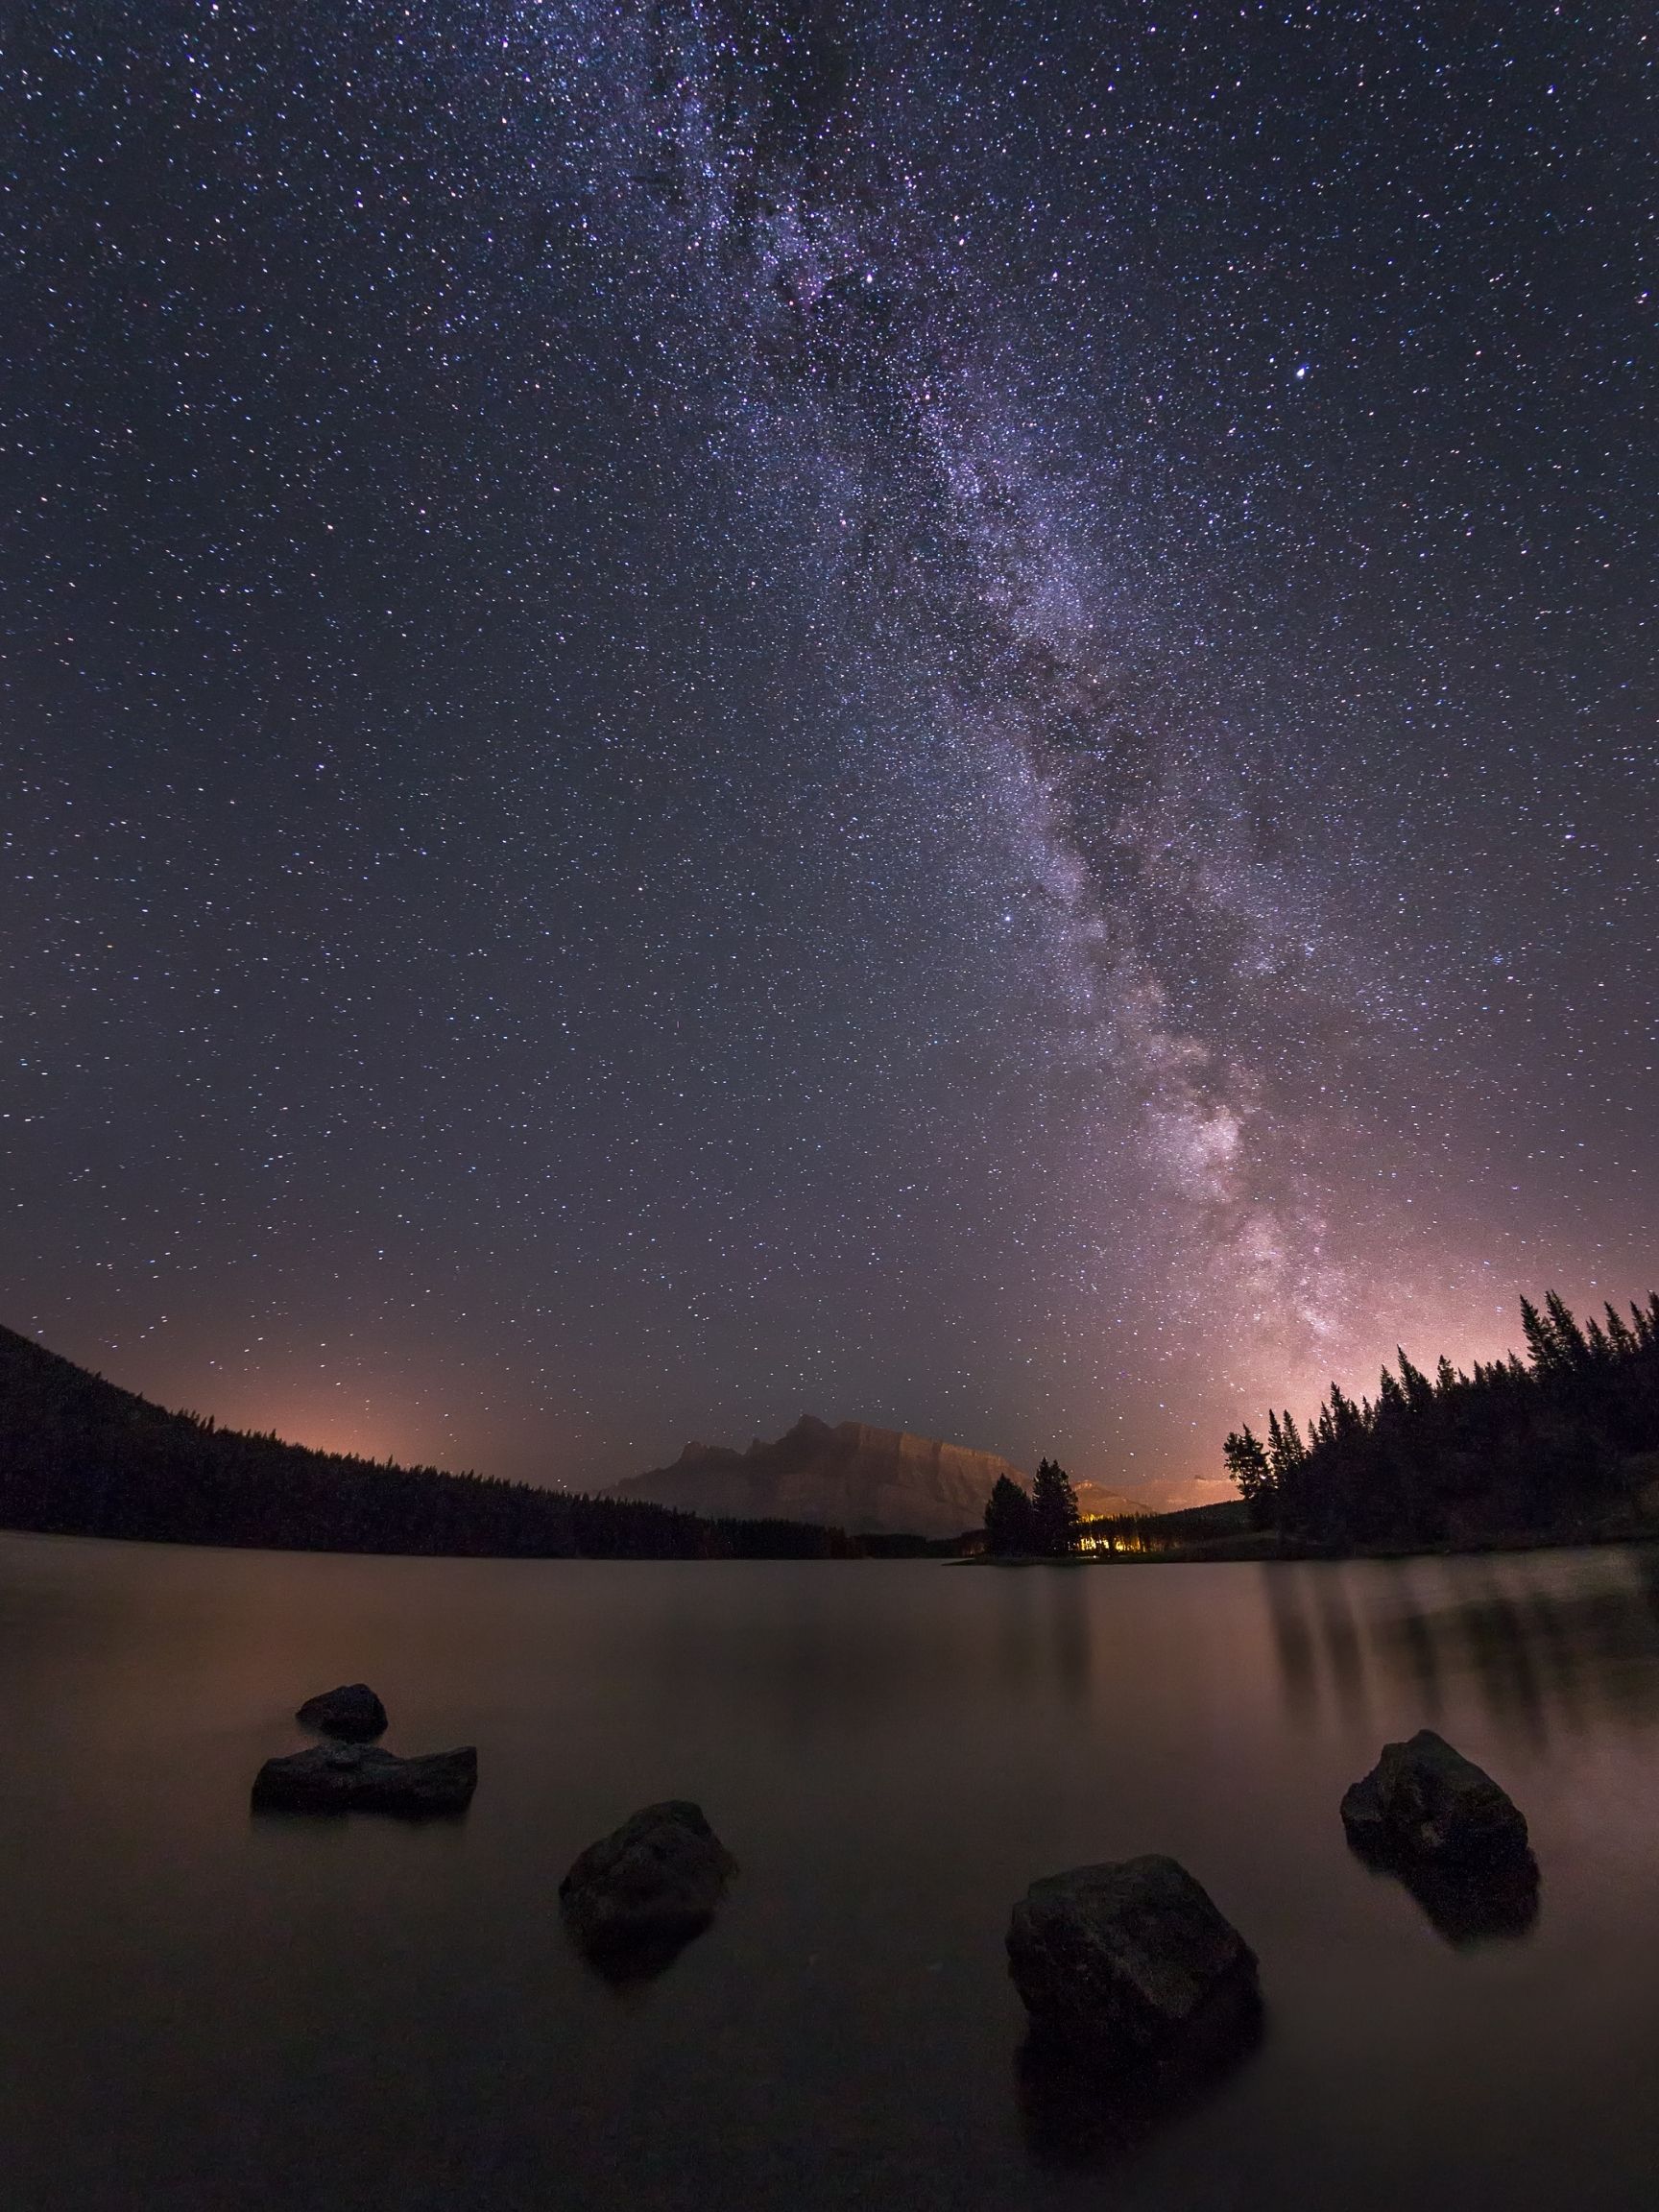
<point>853,1476</point>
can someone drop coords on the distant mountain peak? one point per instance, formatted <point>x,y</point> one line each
<point>851,1476</point>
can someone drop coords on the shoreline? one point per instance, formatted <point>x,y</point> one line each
<point>1273,1551</point>
<point>1265,1549</point>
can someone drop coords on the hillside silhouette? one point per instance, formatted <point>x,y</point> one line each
<point>80,1456</point>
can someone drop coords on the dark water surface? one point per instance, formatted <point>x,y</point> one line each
<point>199,2008</point>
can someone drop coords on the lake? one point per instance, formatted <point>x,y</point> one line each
<point>201,2008</point>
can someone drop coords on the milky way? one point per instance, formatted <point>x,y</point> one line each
<point>944,713</point>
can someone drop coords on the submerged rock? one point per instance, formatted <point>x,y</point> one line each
<point>1467,1905</point>
<point>640,1892</point>
<point>1078,2110</point>
<point>358,1777</point>
<point>1129,1961</point>
<point>1426,1802</point>
<point>352,1711</point>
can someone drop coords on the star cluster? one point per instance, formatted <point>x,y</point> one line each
<point>945,713</point>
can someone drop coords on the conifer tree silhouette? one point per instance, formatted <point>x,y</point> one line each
<point>1010,1524</point>
<point>1548,1445</point>
<point>1054,1511</point>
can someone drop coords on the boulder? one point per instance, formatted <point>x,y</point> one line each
<point>359,1777</point>
<point>352,1711</point>
<point>649,1886</point>
<point>1130,1962</point>
<point>1425,1802</point>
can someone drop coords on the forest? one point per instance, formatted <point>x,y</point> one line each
<point>1554,1445</point>
<point>79,1456</point>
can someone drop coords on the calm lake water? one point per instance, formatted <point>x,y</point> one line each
<point>201,2008</point>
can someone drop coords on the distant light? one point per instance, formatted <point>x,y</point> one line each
<point>1301,371</point>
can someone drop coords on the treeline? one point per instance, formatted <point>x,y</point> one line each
<point>1544,1446</point>
<point>1191,1531</point>
<point>79,1456</point>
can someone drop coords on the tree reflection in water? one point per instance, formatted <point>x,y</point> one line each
<point>1542,1642</point>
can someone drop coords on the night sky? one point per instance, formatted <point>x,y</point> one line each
<point>944,713</point>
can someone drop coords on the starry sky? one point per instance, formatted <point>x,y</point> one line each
<point>944,713</point>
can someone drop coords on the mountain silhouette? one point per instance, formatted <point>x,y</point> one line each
<point>864,1479</point>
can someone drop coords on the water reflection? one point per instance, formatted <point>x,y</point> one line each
<point>629,1969</point>
<point>346,2009</point>
<point>1467,1905</point>
<point>1044,1629</point>
<point>1068,1623</point>
<point>1087,2117</point>
<point>853,1646</point>
<point>1544,1641</point>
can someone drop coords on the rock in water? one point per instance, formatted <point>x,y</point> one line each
<point>1425,1801</point>
<point>649,1886</point>
<point>352,1711</point>
<point>1129,1960</point>
<point>358,1777</point>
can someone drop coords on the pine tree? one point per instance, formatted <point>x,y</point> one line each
<point>1010,1524</point>
<point>1540,1339</point>
<point>1575,1352</point>
<point>1054,1511</point>
<point>1249,1465</point>
<point>1345,1416</point>
<point>1419,1390</point>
